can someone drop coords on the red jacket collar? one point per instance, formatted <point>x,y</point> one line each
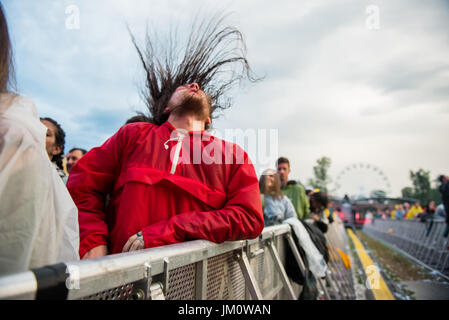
<point>170,127</point>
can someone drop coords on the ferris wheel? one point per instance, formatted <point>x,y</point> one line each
<point>360,179</point>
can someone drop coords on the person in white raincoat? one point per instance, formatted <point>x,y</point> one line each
<point>38,219</point>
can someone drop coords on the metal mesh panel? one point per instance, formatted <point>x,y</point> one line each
<point>281,249</point>
<point>215,276</point>
<point>265,272</point>
<point>236,281</point>
<point>224,278</point>
<point>340,278</point>
<point>260,268</point>
<point>181,283</point>
<point>119,293</point>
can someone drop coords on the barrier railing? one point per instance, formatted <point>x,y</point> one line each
<point>340,274</point>
<point>195,270</point>
<point>422,240</point>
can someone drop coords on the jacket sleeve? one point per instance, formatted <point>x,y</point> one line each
<point>90,181</point>
<point>240,218</point>
<point>305,203</point>
<point>289,209</point>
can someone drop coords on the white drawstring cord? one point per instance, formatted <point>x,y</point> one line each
<point>171,139</point>
<point>177,151</point>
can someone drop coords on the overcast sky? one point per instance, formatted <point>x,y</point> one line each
<point>362,82</point>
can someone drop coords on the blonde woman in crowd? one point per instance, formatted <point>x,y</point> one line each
<point>276,206</point>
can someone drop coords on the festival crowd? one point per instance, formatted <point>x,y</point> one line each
<point>136,190</point>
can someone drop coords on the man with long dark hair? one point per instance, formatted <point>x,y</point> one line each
<point>169,180</point>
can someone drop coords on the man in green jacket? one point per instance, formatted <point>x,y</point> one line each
<point>294,190</point>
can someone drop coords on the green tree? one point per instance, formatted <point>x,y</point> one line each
<point>378,193</point>
<point>320,171</point>
<point>435,195</point>
<point>421,185</point>
<point>407,192</point>
<point>422,188</point>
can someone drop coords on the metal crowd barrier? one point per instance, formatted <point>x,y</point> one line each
<point>195,270</point>
<point>424,241</point>
<point>340,275</point>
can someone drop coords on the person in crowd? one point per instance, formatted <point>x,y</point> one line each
<point>309,191</point>
<point>415,209</point>
<point>440,212</point>
<point>444,190</point>
<point>276,206</point>
<point>339,213</point>
<point>428,212</point>
<point>400,212</point>
<point>428,215</point>
<point>368,216</point>
<point>73,156</point>
<point>169,180</point>
<point>406,209</point>
<point>346,208</point>
<point>393,212</point>
<point>329,211</point>
<point>39,221</point>
<point>138,118</point>
<point>377,215</point>
<point>294,190</point>
<point>309,240</point>
<point>318,205</point>
<point>54,144</point>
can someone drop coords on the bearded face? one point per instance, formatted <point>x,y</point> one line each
<point>190,99</point>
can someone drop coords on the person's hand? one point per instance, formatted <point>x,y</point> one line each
<point>315,217</point>
<point>96,252</point>
<point>135,242</point>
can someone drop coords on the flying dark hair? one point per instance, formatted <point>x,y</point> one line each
<point>59,140</point>
<point>214,56</point>
<point>7,78</point>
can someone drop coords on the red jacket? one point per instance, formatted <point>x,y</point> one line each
<point>202,199</point>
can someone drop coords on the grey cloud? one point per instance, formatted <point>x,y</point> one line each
<point>331,88</point>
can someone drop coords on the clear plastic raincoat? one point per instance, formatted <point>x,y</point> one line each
<point>38,219</point>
